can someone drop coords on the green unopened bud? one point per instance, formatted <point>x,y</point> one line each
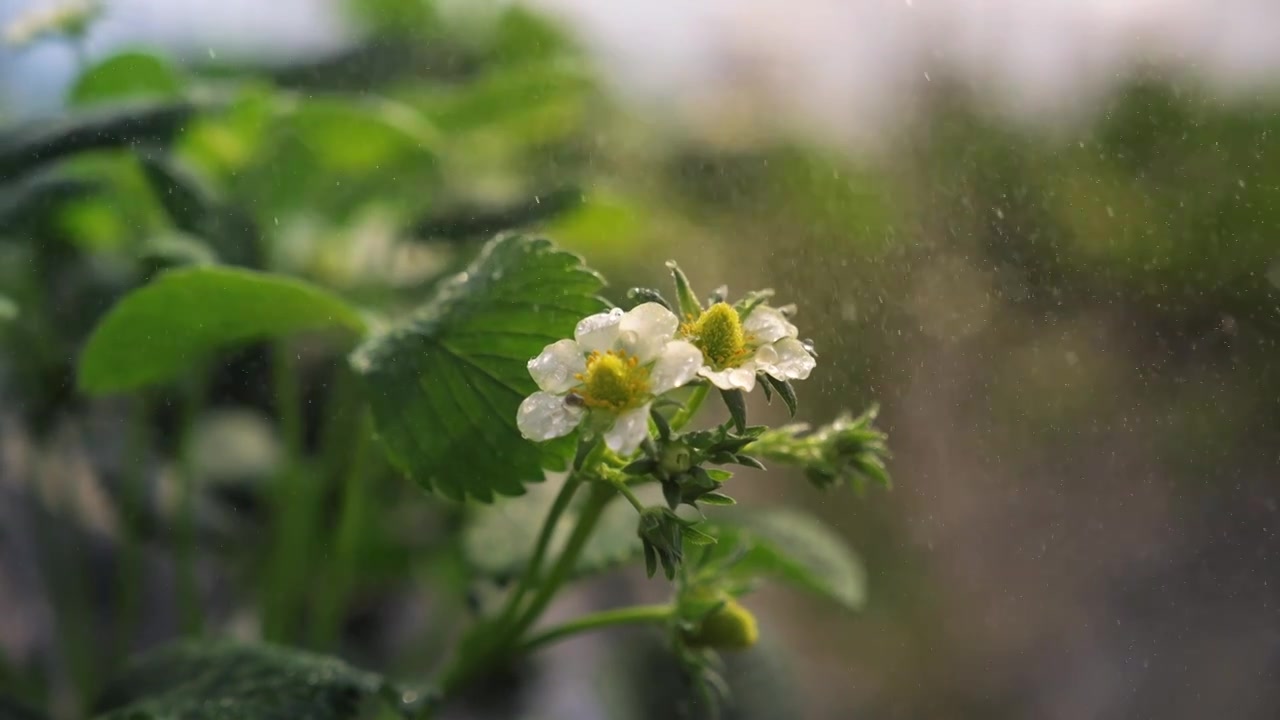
<point>848,450</point>
<point>676,458</point>
<point>728,627</point>
<point>661,534</point>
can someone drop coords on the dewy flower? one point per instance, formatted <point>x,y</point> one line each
<point>735,349</point>
<point>611,371</point>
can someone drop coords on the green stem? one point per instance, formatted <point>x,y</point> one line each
<point>503,637</point>
<point>64,570</point>
<point>185,548</point>
<point>599,497</point>
<point>686,413</point>
<point>629,494</point>
<point>294,501</point>
<point>132,507</point>
<point>636,615</point>
<point>350,522</point>
<point>561,503</point>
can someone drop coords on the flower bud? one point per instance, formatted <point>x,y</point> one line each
<point>730,626</point>
<point>676,458</point>
<point>661,534</point>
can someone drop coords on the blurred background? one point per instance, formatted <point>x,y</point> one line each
<point>1045,237</point>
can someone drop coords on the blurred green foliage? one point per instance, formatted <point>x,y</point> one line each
<point>370,174</point>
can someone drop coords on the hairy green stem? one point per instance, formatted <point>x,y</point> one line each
<point>500,639</point>
<point>294,504</point>
<point>350,524</point>
<point>636,615</point>
<point>65,572</point>
<point>629,494</point>
<point>132,508</point>
<point>530,576</point>
<point>189,605</point>
<point>686,413</point>
<point>597,499</point>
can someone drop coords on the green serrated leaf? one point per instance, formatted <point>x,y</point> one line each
<point>787,391</point>
<point>748,461</point>
<point>233,681</point>
<point>160,329</point>
<point>795,548</point>
<point>445,386</point>
<point>29,146</point>
<point>736,402</point>
<point>129,75</point>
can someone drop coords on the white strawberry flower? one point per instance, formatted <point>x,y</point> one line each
<point>614,367</point>
<point>735,348</point>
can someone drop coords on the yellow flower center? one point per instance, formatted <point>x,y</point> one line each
<point>718,333</point>
<point>614,381</point>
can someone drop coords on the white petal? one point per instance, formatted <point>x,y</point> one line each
<point>793,361</point>
<point>765,324</point>
<point>543,416</point>
<point>765,359</point>
<point>739,378</point>
<point>676,365</point>
<point>644,348</point>
<point>645,329</point>
<point>628,431</point>
<point>556,365</point>
<point>650,319</point>
<point>597,333</point>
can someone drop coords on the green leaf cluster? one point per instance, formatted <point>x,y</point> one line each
<point>165,327</point>
<point>232,681</point>
<point>445,385</point>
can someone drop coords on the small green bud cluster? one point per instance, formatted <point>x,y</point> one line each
<point>677,463</point>
<point>663,534</point>
<point>849,450</point>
